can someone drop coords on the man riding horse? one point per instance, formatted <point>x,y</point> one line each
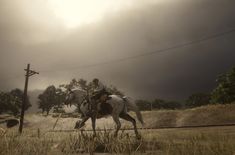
<point>110,105</point>
<point>99,95</point>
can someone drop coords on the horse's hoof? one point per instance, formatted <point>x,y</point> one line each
<point>77,125</point>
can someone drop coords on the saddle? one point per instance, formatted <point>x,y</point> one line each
<point>105,109</point>
<point>100,107</point>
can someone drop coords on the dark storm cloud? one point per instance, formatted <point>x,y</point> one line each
<point>173,74</point>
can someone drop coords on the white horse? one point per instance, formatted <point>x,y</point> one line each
<point>116,106</point>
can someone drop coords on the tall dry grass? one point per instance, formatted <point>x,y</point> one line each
<point>165,142</point>
<point>31,143</point>
<point>205,141</point>
<point>104,142</point>
<point>12,143</point>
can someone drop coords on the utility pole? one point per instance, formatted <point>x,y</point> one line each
<point>24,99</point>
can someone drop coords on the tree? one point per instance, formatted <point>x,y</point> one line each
<point>225,90</point>
<point>198,99</point>
<point>82,83</point>
<point>143,104</point>
<point>47,99</point>
<point>158,104</point>
<point>4,100</point>
<point>74,84</point>
<point>59,97</point>
<point>163,104</point>
<point>18,96</point>
<point>12,101</point>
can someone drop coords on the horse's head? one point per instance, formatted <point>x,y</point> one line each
<point>69,98</point>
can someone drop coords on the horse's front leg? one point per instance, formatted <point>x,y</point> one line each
<point>81,123</point>
<point>93,120</point>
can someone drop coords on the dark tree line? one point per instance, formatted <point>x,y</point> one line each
<point>11,102</point>
<point>198,99</point>
<point>158,104</point>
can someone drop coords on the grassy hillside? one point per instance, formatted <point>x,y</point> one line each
<point>205,115</point>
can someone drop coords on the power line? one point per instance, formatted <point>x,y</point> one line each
<point>214,36</point>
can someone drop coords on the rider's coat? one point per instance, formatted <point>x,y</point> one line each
<point>98,88</point>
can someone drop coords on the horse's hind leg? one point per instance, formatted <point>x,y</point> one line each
<point>131,119</point>
<point>118,123</point>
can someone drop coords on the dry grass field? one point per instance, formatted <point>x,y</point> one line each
<point>204,141</point>
<point>205,115</point>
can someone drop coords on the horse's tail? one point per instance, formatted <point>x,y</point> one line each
<point>133,107</point>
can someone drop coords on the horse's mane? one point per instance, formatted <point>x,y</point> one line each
<point>79,94</point>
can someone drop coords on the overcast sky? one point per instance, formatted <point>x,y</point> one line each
<point>65,39</point>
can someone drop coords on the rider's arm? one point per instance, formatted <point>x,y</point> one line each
<point>99,88</point>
